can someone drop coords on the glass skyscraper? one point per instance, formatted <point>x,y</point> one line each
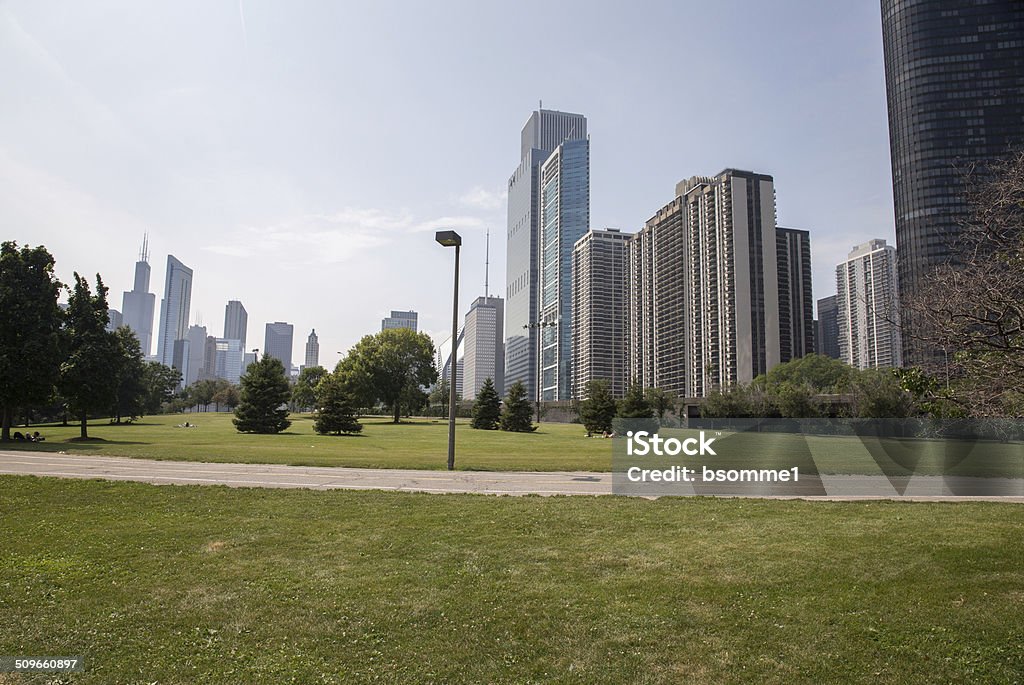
<point>174,312</point>
<point>542,134</point>
<point>954,75</point>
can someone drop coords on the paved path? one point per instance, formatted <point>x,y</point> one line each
<point>480,482</point>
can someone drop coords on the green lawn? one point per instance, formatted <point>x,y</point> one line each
<point>422,444</point>
<point>173,584</point>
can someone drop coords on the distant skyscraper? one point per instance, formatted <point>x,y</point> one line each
<point>228,358</point>
<point>827,340</point>
<point>796,303</point>
<point>564,219</point>
<point>399,319</point>
<point>869,334</point>
<point>114,319</point>
<point>954,74</point>
<point>484,346</point>
<point>600,322</point>
<point>236,322</point>
<point>138,304</point>
<point>278,343</point>
<point>196,355</point>
<point>542,134</point>
<point>312,350</point>
<point>174,311</point>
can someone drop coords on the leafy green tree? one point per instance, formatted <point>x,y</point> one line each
<point>228,395</point>
<point>160,382</point>
<point>487,408</point>
<point>391,367</point>
<point>635,405</point>
<point>304,392</point>
<point>131,382</point>
<point>265,392</point>
<point>335,408</point>
<point>517,416</point>
<point>598,410</point>
<point>878,395</point>
<point>819,373</point>
<point>661,401</point>
<point>732,403</point>
<point>89,374</point>
<point>30,349</point>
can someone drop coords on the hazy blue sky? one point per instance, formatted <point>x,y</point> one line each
<point>299,155</point>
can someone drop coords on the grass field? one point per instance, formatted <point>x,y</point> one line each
<point>173,584</point>
<point>422,444</point>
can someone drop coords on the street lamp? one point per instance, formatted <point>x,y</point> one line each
<point>452,239</point>
<point>539,324</point>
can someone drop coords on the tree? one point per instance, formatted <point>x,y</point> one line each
<point>335,408</point>
<point>304,392</point>
<point>89,374</point>
<point>598,410</point>
<point>817,372</point>
<point>966,318</point>
<point>160,382</point>
<point>30,349</point>
<point>487,408</point>
<point>263,407</point>
<point>517,416</point>
<point>391,367</point>
<point>732,403</point>
<point>661,401</point>
<point>228,395</point>
<point>130,399</point>
<point>878,394</point>
<point>634,405</point>
<point>441,395</point>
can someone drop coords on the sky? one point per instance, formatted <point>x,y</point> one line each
<point>299,155</point>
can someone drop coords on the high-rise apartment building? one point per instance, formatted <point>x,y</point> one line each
<point>600,307</point>
<point>138,304</point>
<point>312,350</point>
<point>796,303</point>
<point>399,319</point>
<point>954,74</point>
<point>713,283</point>
<point>174,312</point>
<point>826,341</point>
<point>867,312</point>
<point>542,134</point>
<point>196,368</point>
<point>484,346</point>
<point>236,322</point>
<point>278,343</point>
<point>564,219</point>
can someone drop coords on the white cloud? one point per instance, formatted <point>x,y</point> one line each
<point>481,198</point>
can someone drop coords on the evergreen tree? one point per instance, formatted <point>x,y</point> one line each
<point>89,374</point>
<point>264,396</point>
<point>487,408</point>
<point>518,414</point>
<point>634,405</point>
<point>598,410</point>
<point>335,407</point>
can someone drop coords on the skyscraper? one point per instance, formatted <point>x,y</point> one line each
<point>174,311</point>
<point>542,134</point>
<point>869,333</point>
<point>236,321</point>
<point>826,341</point>
<point>228,358</point>
<point>278,343</point>
<point>600,321</point>
<point>138,304</point>
<point>796,303</point>
<point>312,350</point>
<point>196,368</point>
<point>954,74</point>
<point>564,219</point>
<point>484,346</point>
<point>400,319</point>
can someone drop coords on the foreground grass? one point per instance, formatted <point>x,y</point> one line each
<point>422,444</point>
<point>214,585</point>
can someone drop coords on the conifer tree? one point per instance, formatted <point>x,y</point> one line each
<point>335,407</point>
<point>264,396</point>
<point>598,410</point>
<point>487,408</point>
<point>517,415</point>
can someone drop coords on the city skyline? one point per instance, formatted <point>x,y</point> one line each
<point>232,157</point>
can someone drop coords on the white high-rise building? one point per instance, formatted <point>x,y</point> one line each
<point>868,309</point>
<point>174,311</point>
<point>138,304</point>
<point>400,319</point>
<point>484,346</point>
<point>278,343</point>
<point>312,350</point>
<point>196,355</point>
<point>236,321</point>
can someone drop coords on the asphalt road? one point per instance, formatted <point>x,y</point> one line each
<point>474,482</point>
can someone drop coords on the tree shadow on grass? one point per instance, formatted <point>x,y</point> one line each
<point>72,444</point>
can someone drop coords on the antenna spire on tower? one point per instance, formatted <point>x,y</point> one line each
<point>487,265</point>
<point>144,253</point>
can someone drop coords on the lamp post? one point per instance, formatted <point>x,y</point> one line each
<point>452,239</point>
<point>539,325</point>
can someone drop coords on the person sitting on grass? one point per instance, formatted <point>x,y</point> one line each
<point>36,437</point>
